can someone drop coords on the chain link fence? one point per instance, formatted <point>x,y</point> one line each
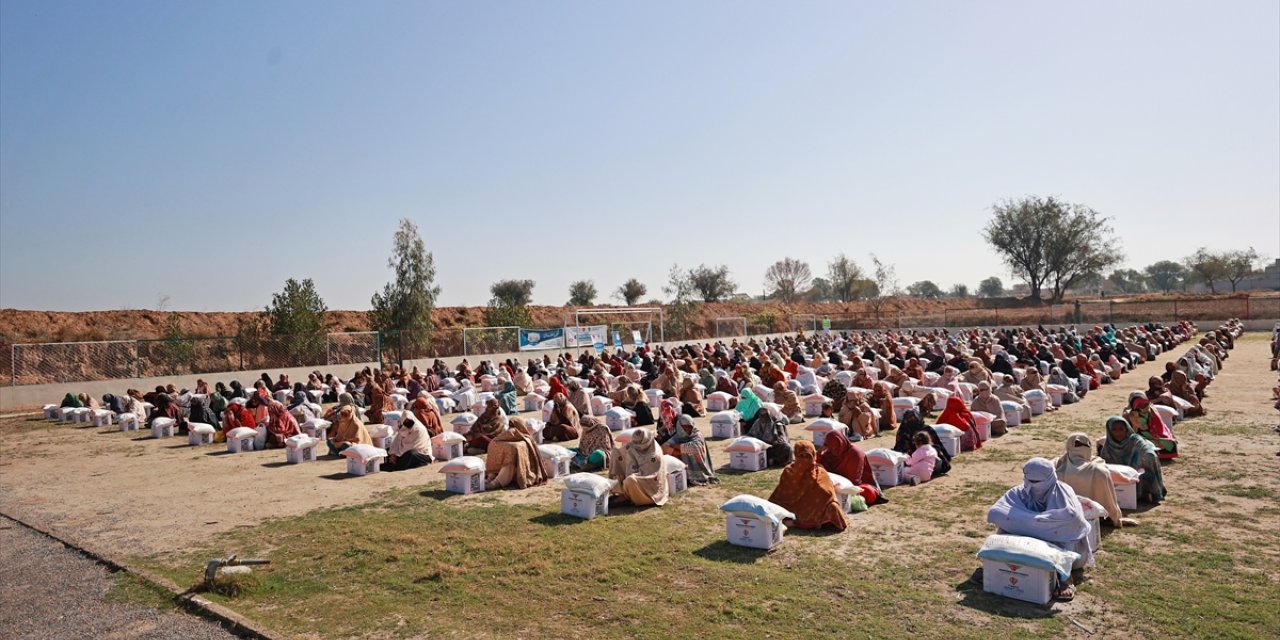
<point>45,363</point>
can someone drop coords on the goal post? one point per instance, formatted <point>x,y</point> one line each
<point>804,322</point>
<point>731,327</point>
<point>624,320</point>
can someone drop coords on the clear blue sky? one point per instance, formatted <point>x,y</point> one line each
<point>210,150</point>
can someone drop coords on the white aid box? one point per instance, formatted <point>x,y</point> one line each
<point>581,504</point>
<point>819,429</point>
<point>1127,496</point>
<point>555,460</point>
<point>199,433</point>
<point>464,475</point>
<point>655,397</point>
<point>162,428</point>
<point>813,404</point>
<point>726,424</point>
<point>393,419</point>
<point>1038,400</point>
<point>1012,412</point>
<point>677,475</point>
<point>901,405</point>
<point>600,405</point>
<point>447,445</point>
<point>101,417</point>
<point>300,448</point>
<point>718,401</point>
<point>618,419</point>
<point>128,422</point>
<point>241,439</point>
<point>51,412</point>
<point>462,422</point>
<point>747,460</point>
<point>1020,582</point>
<point>316,428</point>
<point>534,402</point>
<point>750,530</point>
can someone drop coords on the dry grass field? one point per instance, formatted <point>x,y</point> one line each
<point>393,555</point>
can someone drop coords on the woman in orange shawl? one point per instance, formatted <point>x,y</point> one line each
<point>805,489</point>
<point>424,409</point>
<point>379,401</point>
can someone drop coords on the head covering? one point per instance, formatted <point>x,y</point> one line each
<point>748,404</point>
<point>1087,475</point>
<point>1041,507</point>
<point>840,457</point>
<point>805,489</point>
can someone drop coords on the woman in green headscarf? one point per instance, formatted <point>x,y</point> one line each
<point>70,401</point>
<point>748,405</point>
<point>507,397</point>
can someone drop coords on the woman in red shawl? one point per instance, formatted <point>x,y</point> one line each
<point>840,457</point>
<point>236,416</point>
<point>280,424</point>
<point>957,415</point>
<point>424,409</point>
<point>557,387</point>
<point>806,490</point>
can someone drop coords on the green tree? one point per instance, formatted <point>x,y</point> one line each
<point>1166,275</point>
<point>786,278</point>
<point>1208,267</point>
<point>960,291</point>
<point>512,293</point>
<point>582,293</point>
<point>712,283</point>
<point>681,308</point>
<point>924,289</point>
<point>179,349</point>
<point>298,313</point>
<point>1127,281</point>
<point>405,304</point>
<point>847,280</point>
<point>1046,241</point>
<point>820,290</point>
<point>885,285</point>
<point>991,288</point>
<point>631,291</point>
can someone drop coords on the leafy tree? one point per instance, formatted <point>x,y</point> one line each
<point>1207,267</point>
<point>846,278</point>
<point>1240,265</point>
<point>1048,241</point>
<point>991,288</point>
<point>501,314</point>
<point>786,278</point>
<point>179,349</point>
<point>298,312</point>
<point>405,304</point>
<point>924,289</point>
<point>886,286</point>
<point>680,310</point>
<point>1166,275</point>
<point>960,291</point>
<point>820,290</point>
<point>712,283</point>
<point>582,293</point>
<point>512,293</point>
<point>631,291</point>
<point>1127,281</point>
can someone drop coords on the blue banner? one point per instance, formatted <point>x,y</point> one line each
<point>534,339</point>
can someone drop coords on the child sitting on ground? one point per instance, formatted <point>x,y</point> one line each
<point>923,458</point>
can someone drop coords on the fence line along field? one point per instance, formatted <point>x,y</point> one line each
<point>392,554</point>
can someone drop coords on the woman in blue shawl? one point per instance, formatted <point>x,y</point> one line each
<point>507,397</point>
<point>1045,509</point>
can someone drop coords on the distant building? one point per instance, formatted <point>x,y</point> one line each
<point>1267,279</point>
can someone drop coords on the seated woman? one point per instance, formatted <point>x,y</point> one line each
<point>579,398</point>
<point>1088,476</point>
<point>300,407</point>
<point>1007,391</point>
<point>379,401</point>
<point>280,425</point>
<point>770,427</point>
<point>924,459</point>
<point>563,423</point>
<point>507,397</point>
<point>959,416</point>
<point>1180,387</point>
<point>641,472</point>
<point>688,445</point>
<point>71,401</point>
<point>165,408</point>
<point>1048,510</point>
<point>592,453</point>
<point>410,449</point>
<point>634,400</point>
<point>840,457</point>
<point>1148,424</point>
<point>347,430</point>
<point>987,402</point>
<point>1123,446</point>
<point>668,415</point>
<point>856,414</point>
<point>90,402</point>
<point>725,384</point>
<point>790,404</point>
<point>201,414</point>
<point>805,489</point>
<point>487,426</point>
<point>513,459</point>
<point>1056,376</point>
<point>905,442</point>
<point>882,399</point>
<point>425,410</point>
<point>236,416</point>
<point>691,401</point>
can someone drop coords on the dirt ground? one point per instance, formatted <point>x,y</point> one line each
<point>143,497</point>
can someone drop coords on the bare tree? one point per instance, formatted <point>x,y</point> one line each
<point>786,278</point>
<point>1240,265</point>
<point>886,287</point>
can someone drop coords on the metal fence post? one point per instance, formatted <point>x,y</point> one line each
<point>1111,311</point>
<point>13,364</point>
<point>1175,310</point>
<point>1246,308</point>
<point>137,360</point>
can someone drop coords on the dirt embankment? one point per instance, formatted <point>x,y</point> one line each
<point>21,326</point>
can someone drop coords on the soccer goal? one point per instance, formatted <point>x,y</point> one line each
<point>629,323</point>
<point>804,322</point>
<point>731,327</point>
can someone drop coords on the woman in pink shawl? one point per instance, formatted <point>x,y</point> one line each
<point>1148,424</point>
<point>280,424</point>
